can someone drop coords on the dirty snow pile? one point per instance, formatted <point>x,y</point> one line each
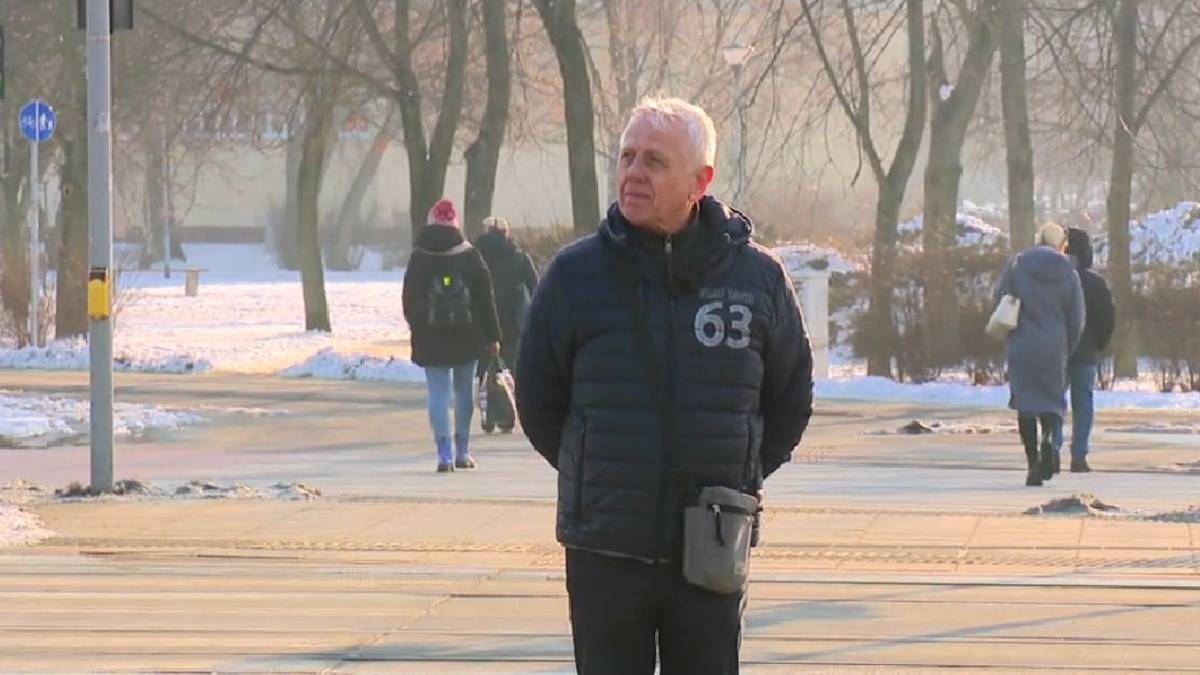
<point>125,490</point>
<point>329,364</point>
<point>17,527</point>
<point>73,355</point>
<point>972,233</point>
<point>801,258</point>
<point>39,420</point>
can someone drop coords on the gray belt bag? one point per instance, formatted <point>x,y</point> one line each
<point>716,539</point>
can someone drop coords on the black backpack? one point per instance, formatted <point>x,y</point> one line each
<point>449,301</point>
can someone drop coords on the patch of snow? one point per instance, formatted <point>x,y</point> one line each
<point>135,490</point>
<point>799,258</point>
<point>1170,237</point>
<point>332,365</point>
<point>972,232</point>
<point>26,420</point>
<point>247,318</point>
<point>20,528</point>
<point>73,355</point>
<point>958,394</point>
<point>1155,429</point>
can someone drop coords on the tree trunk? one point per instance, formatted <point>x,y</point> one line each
<point>71,318</point>
<point>14,260</point>
<point>882,325</point>
<point>558,16</point>
<point>892,187</point>
<point>948,124</point>
<point>1013,86</point>
<point>156,206</point>
<point>1120,189</point>
<point>483,156</point>
<point>287,239</point>
<point>349,219</point>
<point>319,116</point>
<point>71,303</point>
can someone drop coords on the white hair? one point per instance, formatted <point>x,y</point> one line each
<point>665,111</point>
<point>1052,235</point>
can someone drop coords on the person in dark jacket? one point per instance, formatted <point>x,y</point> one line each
<point>1084,362</point>
<point>452,316</point>
<point>513,279</point>
<point>1048,329</point>
<point>733,366</point>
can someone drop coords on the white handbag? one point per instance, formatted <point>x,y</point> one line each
<point>1006,315</point>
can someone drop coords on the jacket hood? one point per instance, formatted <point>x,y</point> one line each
<point>440,239</point>
<point>495,243</point>
<point>718,225</point>
<point>716,231</point>
<point>1079,246</point>
<point>1046,264</point>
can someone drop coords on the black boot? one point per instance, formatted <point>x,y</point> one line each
<point>1034,478</point>
<point>1046,463</point>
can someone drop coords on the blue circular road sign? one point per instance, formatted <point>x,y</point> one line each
<point>38,120</point>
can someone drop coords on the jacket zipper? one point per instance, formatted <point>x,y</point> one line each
<point>748,465</point>
<point>579,471</point>
<point>669,382</point>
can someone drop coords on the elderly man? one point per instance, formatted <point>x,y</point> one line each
<point>664,354</point>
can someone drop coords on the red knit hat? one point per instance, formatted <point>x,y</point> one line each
<point>443,213</point>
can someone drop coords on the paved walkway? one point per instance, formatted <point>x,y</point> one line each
<point>882,554</point>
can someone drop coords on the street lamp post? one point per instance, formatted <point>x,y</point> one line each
<point>736,56</point>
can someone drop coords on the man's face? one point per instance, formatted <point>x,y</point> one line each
<point>659,176</point>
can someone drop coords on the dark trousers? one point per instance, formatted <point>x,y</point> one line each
<point>620,606</point>
<point>1028,426</point>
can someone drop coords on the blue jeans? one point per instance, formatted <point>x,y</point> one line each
<point>1083,412</point>
<point>438,381</point>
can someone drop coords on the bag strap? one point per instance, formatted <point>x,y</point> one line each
<point>626,276</point>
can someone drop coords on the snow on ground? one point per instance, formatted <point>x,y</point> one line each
<point>860,388</point>
<point>332,365</point>
<point>20,528</point>
<point>248,318</point>
<point>26,419</point>
<point>17,527</point>
<point>23,492</point>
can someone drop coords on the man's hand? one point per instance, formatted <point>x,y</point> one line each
<point>493,349</point>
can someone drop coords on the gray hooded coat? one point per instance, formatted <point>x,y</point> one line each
<point>1048,330</point>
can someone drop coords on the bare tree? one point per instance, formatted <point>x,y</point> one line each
<point>853,93</point>
<point>562,27</point>
<point>1018,142</point>
<point>483,154</point>
<point>952,106</point>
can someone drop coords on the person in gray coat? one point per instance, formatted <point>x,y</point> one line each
<point>1048,329</point>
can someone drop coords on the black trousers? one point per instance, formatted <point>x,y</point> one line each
<point>1028,426</point>
<point>620,606</point>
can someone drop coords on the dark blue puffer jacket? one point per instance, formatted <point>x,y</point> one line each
<point>733,351</point>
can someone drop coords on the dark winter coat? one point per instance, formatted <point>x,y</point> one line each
<point>1048,328</point>
<point>732,351</point>
<point>1101,314</point>
<point>442,250</point>
<point>513,280</point>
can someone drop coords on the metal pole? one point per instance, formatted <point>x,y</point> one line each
<point>99,123</point>
<point>35,300</point>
